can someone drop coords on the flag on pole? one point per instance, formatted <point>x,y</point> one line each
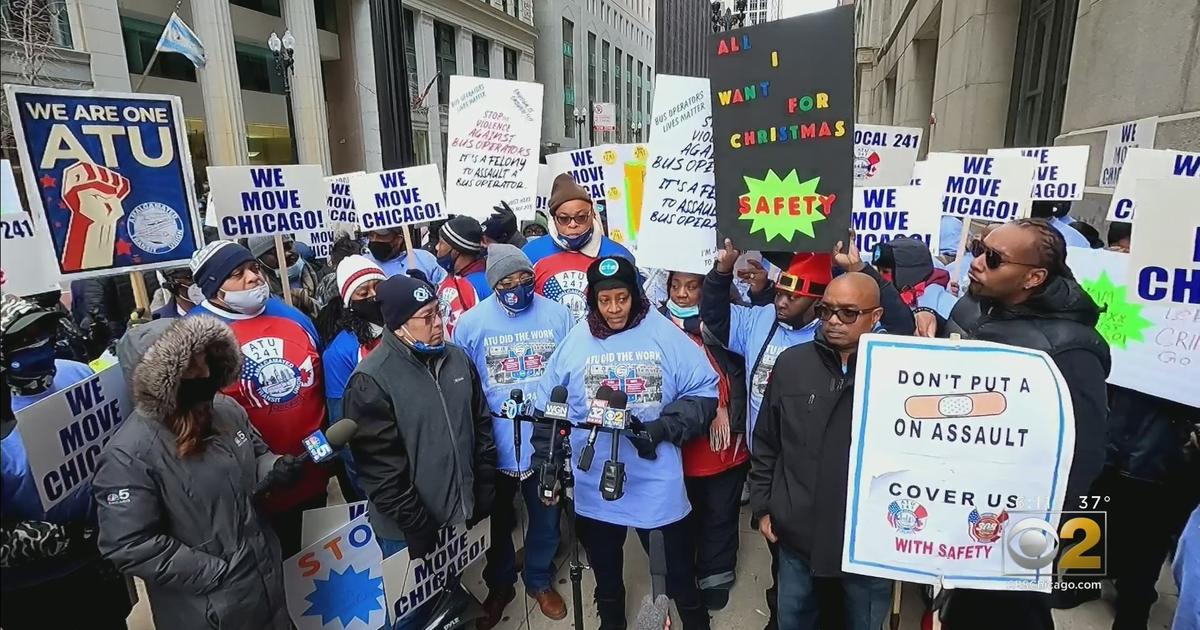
<point>178,38</point>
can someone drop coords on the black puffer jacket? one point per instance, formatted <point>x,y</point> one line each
<point>1147,435</point>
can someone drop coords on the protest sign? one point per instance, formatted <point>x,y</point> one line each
<point>404,196</point>
<point>920,507</point>
<point>679,225</point>
<point>409,584</point>
<point>494,131</point>
<point>593,168</point>
<point>1059,173</point>
<point>64,433</point>
<point>1148,164</point>
<point>604,117</point>
<point>994,188</point>
<point>918,174</point>
<point>783,131</point>
<point>545,183</point>
<point>340,214</point>
<point>336,583</point>
<point>1117,143</point>
<point>109,175</point>
<point>26,258</point>
<point>884,156</point>
<point>268,200</point>
<point>1152,346</point>
<point>1164,249</point>
<point>315,524</point>
<point>884,213</point>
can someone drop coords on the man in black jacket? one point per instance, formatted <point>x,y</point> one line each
<point>1028,297</point>
<point>800,462</point>
<point>424,447</point>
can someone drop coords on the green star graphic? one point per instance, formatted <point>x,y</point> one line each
<point>1121,321</point>
<point>782,221</point>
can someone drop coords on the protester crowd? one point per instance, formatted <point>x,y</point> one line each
<point>200,493</point>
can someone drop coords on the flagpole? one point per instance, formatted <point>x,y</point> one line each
<point>154,56</point>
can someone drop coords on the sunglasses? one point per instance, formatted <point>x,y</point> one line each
<point>844,315</point>
<point>991,257</point>
<point>565,220</point>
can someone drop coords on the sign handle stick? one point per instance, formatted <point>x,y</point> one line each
<point>281,257</point>
<point>897,595</point>
<point>408,245</point>
<point>141,297</point>
<point>960,252</point>
<point>937,613</point>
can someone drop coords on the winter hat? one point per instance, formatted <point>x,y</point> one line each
<point>612,272</point>
<point>565,189</point>
<point>400,296</point>
<point>352,272</point>
<point>807,275</point>
<point>212,265</point>
<point>262,245</point>
<point>911,261</point>
<point>464,234</point>
<point>18,314</point>
<point>504,260</point>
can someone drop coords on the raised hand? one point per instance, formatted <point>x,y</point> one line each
<point>851,258</point>
<point>727,257</point>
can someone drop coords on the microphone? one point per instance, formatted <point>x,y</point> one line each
<point>322,446</point>
<point>511,409</point>
<point>612,480</point>
<point>599,405</point>
<point>556,412</point>
<point>658,564</point>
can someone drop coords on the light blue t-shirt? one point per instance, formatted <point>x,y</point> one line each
<point>426,262</point>
<point>512,351</point>
<point>1070,234</point>
<point>654,363</point>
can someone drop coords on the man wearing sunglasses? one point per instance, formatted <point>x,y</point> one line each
<point>1028,297</point>
<point>799,500</point>
<point>576,239</point>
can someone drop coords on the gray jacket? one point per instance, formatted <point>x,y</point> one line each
<point>188,526</point>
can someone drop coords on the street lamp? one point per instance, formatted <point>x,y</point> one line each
<point>284,52</point>
<point>727,20</point>
<point>580,119</point>
<point>635,130</point>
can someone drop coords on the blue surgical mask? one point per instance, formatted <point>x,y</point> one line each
<point>683,312</point>
<point>576,243</point>
<point>296,271</point>
<point>517,298</point>
<point>420,347</point>
<point>446,262</point>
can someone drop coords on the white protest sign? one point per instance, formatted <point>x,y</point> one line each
<point>951,442</point>
<point>545,183</point>
<point>409,584</point>
<point>1164,248</point>
<point>64,433</point>
<point>392,199</point>
<point>338,578</point>
<point>495,127</point>
<point>588,168</point>
<point>210,215</point>
<point>1060,171</point>
<point>984,187</point>
<point>316,524</point>
<point>340,214</point>
<point>918,174</point>
<point>604,117</point>
<point>267,200</point>
<point>1117,143</point>
<point>1154,348</point>
<point>679,223</point>
<point>883,155</point>
<point>27,263</point>
<point>883,213</point>
<point>1148,164</point>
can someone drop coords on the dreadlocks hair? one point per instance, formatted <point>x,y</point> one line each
<point>1051,247</point>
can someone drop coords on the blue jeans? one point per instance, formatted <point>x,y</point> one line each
<point>541,540</point>
<point>867,599</point>
<point>419,617</point>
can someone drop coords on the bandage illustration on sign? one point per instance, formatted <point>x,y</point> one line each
<point>93,193</point>
<point>936,406</point>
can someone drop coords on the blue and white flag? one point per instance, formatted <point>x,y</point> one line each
<point>178,38</point>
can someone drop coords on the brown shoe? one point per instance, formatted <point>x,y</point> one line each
<point>493,606</point>
<point>551,603</point>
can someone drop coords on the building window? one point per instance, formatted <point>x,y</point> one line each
<point>617,93</point>
<point>591,67</point>
<point>140,39</point>
<point>641,113</point>
<point>410,54</point>
<point>510,64</point>
<point>629,88</point>
<point>38,22</point>
<point>256,69</point>
<point>568,61</point>
<point>327,15</point>
<point>481,51</point>
<point>604,50</point>
<point>1045,32</point>
<point>270,7</point>
<point>447,59</point>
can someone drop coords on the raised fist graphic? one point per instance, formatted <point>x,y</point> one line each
<point>94,194</point>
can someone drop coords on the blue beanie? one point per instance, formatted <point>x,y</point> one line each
<point>213,264</point>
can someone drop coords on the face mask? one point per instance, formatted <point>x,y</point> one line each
<point>250,301</point>
<point>446,262</point>
<point>195,391</point>
<point>517,298</point>
<point>381,250</point>
<point>368,310</point>
<point>31,369</point>
<point>376,331</point>
<point>295,271</point>
<point>420,347</point>
<point>683,312</point>
<point>194,294</point>
<point>576,243</point>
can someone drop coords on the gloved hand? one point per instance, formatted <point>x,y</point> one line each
<point>643,438</point>
<point>418,274</point>
<point>502,222</point>
<point>286,471</point>
<point>421,543</point>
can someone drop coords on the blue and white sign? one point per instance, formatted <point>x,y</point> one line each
<point>1060,172</point>
<point>927,412</point>
<point>411,583</point>
<point>1149,164</point>
<point>884,213</point>
<point>336,583</point>
<point>268,200</point>
<point>64,433</point>
<point>404,196</point>
<point>1119,141</point>
<point>884,155</point>
<point>992,188</point>
<point>1164,251</point>
<point>110,174</point>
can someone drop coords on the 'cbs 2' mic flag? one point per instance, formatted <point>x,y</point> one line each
<point>178,38</point>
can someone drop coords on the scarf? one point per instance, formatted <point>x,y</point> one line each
<point>600,329</point>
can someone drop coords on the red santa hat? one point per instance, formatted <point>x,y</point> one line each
<point>807,275</point>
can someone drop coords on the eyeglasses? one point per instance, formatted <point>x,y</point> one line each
<point>991,257</point>
<point>846,315</point>
<point>435,315</point>
<point>512,283</point>
<point>579,219</point>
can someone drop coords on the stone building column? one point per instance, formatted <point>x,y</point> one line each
<point>308,91</point>
<point>224,122</point>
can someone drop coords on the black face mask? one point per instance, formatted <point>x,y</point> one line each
<point>196,391</point>
<point>368,309</point>
<point>382,250</point>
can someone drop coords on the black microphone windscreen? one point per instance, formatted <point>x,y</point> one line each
<point>340,432</point>
<point>517,395</point>
<point>558,394</point>
<point>618,400</point>
<point>604,392</point>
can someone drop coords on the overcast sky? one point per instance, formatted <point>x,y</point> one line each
<point>790,8</point>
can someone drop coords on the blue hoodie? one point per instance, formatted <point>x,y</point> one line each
<point>655,364</point>
<point>512,351</point>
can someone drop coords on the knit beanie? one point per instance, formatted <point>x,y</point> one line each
<point>212,265</point>
<point>260,246</point>
<point>565,189</point>
<point>464,234</point>
<point>612,272</point>
<point>400,297</point>
<point>352,272</point>
<point>503,260</point>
